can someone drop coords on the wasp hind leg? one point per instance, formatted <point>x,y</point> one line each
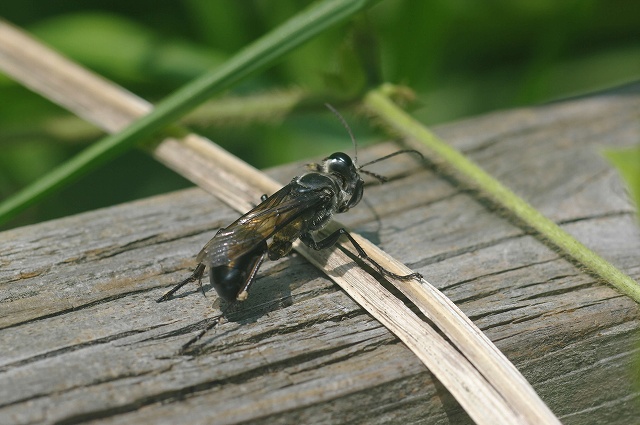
<point>244,291</point>
<point>331,240</point>
<point>196,275</point>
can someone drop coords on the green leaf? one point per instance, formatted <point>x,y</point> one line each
<point>627,161</point>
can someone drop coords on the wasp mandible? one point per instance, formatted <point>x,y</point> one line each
<point>296,211</point>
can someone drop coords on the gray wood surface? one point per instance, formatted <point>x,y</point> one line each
<point>83,340</point>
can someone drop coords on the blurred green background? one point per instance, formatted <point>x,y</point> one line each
<point>460,57</point>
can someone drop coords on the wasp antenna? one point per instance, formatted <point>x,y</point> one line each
<point>346,126</point>
<point>380,178</point>
<point>389,156</point>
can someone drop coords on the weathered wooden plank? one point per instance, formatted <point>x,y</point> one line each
<point>83,339</point>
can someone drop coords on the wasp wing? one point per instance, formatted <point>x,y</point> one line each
<point>249,231</point>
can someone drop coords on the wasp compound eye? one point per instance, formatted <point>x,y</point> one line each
<point>340,163</point>
<point>341,157</point>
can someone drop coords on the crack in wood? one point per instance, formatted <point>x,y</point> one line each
<point>78,307</point>
<point>75,347</point>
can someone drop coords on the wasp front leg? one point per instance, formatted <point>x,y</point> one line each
<point>331,240</point>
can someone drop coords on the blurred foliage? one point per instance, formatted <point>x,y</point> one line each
<point>461,57</point>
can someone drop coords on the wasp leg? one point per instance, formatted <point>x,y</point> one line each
<point>196,275</point>
<point>244,292</point>
<point>331,240</point>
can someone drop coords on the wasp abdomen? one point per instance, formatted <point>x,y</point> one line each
<point>231,281</point>
<point>227,281</point>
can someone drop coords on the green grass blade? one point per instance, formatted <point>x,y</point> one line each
<point>380,104</point>
<point>251,59</point>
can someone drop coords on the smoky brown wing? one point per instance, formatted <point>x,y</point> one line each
<point>259,224</point>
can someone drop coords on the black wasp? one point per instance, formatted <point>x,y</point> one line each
<point>300,208</point>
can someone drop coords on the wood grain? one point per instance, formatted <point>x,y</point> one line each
<point>84,341</point>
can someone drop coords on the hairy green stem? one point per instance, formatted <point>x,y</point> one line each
<point>379,103</point>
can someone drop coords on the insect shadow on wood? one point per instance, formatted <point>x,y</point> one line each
<point>297,211</point>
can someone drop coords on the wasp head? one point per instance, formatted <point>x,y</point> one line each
<point>342,167</point>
